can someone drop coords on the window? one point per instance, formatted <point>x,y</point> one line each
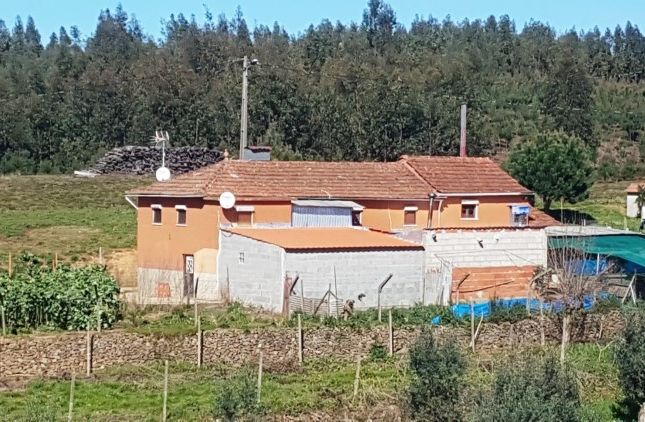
<point>357,217</point>
<point>181,215</point>
<point>245,215</point>
<point>520,215</point>
<point>469,210</point>
<point>240,258</point>
<point>410,216</point>
<point>245,219</point>
<point>156,214</point>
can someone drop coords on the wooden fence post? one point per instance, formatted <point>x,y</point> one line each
<point>70,411</point>
<point>55,261</point>
<point>357,378</point>
<point>89,350</point>
<point>391,332</point>
<point>200,343</point>
<point>260,378</point>
<point>100,255</point>
<point>472,325</point>
<point>4,323</point>
<point>10,265</point>
<point>164,414</point>
<point>300,345</point>
<point>542,340</point>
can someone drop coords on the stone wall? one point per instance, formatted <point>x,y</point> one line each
<point>27,357</point>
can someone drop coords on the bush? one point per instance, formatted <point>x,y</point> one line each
<point>437,381</point>
<point>532,389</point>
<point>66,298</point>
<point>237,398</point>
<point>378,352</point>
<point>630,358</point>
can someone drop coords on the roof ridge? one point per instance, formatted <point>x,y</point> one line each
<point>404,161</point>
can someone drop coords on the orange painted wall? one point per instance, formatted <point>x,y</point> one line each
<point>388,215</point>
<point>494,211</point>
<point>163,246</point>
<point>265,212</point>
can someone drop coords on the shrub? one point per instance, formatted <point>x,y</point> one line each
<point>66,298</point>
<point>237,398</point>
<point>532,389</point>
<point>437,381</point>
<point>630,358</point>
<point>378,352</point>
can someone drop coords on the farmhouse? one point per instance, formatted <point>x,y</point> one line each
<point>442,227</point>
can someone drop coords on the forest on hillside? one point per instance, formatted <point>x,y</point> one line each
<point>371,90</point>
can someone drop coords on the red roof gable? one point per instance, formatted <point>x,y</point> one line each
<point>464,175</point>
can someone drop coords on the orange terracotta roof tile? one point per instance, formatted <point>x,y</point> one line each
<point>295,179</point>
<point>540,219</point>
<point>310,239</point>
<point>464,175</point>
<point>635,187</point>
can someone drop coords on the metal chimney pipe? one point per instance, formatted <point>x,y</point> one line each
<point>462,140</point>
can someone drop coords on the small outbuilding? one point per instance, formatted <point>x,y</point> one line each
<point>632,199</point>
<point>283,269</point>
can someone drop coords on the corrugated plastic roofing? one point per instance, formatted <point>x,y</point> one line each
<point>325,238</point>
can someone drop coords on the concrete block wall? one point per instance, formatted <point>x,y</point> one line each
<point>259,280</point>
<point>499,248</point>
<point>361,272</point>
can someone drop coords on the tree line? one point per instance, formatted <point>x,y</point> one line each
<point>372,90</point>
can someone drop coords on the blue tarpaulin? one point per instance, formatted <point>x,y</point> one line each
<point>462,310</point>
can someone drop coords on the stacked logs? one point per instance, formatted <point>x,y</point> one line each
<point>146,160</point>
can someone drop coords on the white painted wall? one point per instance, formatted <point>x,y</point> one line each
<point>259,280</point>
<point>361,272</point>
<point>632,208</point>
<point>149,279</point>
<point>498,248</point>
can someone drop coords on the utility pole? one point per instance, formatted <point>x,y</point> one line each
<point>244,113</point>
<point>462,140</point>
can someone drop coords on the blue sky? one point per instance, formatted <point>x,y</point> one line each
<point>295,15</point>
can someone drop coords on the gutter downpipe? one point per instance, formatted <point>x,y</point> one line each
<point>430,211</point>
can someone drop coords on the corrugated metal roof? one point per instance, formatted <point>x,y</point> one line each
<point>324,203</point>
<point>311,239</point>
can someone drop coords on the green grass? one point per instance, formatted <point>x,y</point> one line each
<point>66,215</point>
<point>135,392</point>
<point>606,204</point>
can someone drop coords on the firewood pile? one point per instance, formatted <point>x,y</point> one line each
<point>141,160</point>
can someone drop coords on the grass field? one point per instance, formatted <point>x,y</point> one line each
<point>605,205</point>
<point>67,215</point>
<point>135,393</point>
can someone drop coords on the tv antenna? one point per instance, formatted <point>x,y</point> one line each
<point>163,172</point>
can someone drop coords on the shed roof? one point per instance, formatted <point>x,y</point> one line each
<point>311,239</point>
<point>635,187</point>
<point>464,175</point>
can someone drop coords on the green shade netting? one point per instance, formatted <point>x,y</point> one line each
<point>628,247</point>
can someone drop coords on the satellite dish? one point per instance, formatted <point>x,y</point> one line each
<point>163,174</point>
<point>227,200</point>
